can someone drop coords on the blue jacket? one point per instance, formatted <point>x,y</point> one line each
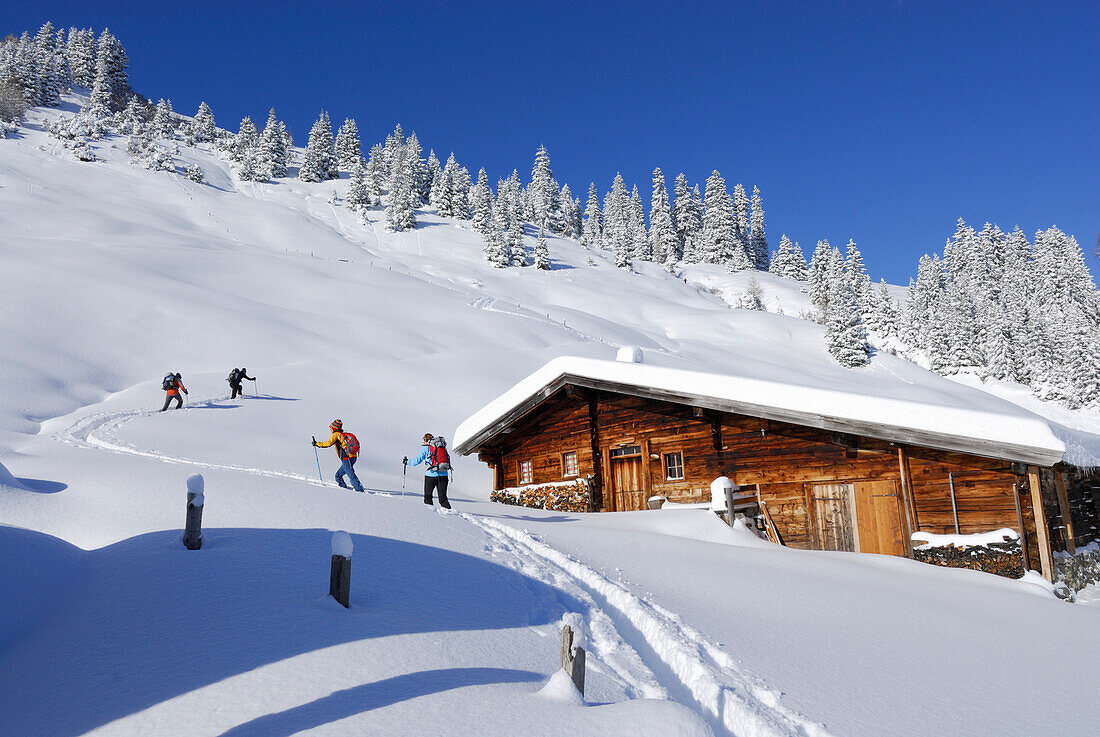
<point>426,455</point>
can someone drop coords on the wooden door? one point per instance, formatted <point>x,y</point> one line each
<point>626,481</point>
<point>878,515</point>
<point>834,516</point>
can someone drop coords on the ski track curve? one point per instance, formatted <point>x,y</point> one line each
<point>733,700</point>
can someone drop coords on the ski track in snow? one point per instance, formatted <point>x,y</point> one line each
<point>733,701</point>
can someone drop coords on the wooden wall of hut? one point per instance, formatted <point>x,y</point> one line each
<point>787,461</point>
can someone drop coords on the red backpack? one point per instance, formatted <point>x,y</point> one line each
<point>439,459</point>
<point>351,444</point>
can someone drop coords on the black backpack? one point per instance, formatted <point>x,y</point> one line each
<point>169,382</point>
<point>234,376</point>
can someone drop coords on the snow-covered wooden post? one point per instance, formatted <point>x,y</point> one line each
<point>721,496</point>
<point>572,658</point>
<point>339,582</point>
<point>192,533</point>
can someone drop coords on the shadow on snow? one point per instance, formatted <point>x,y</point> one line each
<point>145,620</point>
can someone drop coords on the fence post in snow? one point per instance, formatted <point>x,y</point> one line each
<point>339,582</point>
<point>192,533</point>
<point>572,658</point>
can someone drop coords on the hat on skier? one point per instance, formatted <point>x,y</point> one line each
<point>337,425</point>
<point>179,375</point>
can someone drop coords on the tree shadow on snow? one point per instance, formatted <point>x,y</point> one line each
<point>351,701</point>
<point>42,486</point>
<point>156,621</point>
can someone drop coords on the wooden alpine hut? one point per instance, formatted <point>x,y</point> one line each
<point>833,469</point>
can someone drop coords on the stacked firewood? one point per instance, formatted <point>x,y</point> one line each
<point>1001,558</point>
<point>557,497</point>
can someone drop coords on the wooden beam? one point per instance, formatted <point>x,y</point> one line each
<point>1022,528</point>
<point>597,457</point>
<point>1042,533</point>
<point>647,486</point>
<point>911,523</point>
<point>1067,518</point>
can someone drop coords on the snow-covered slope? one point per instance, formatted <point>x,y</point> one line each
<point>111,275</point>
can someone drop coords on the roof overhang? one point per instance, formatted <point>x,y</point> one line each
<point>945,441</point>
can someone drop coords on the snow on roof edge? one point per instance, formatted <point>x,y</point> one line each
<point>1023,428</point>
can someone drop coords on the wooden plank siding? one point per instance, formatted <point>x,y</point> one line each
<point>784,459</point>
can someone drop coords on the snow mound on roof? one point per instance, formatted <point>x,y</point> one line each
<point>962,412</point>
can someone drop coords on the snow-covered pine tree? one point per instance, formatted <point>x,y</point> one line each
<point>272,154</point>
<point>883,315</point>
<point>111,54</point>
<point>460,193</point>
<point>349,151</point>
<point>515,217</point>
<point>857,276</point>
<point>194,173</point>
<point>164,122</point>
<point>399,209</point>
<point>418,170</point>
<point>662,233</point>
<point>539,191</point>
<point>798,269</point>
<point>568,217</point>
<point>482,202</point>
<point>443,189</point>
<point>319,163</point>
<point>640,248</point>
<point>131,121</point>
<point>252,166</point>
<point>616,223</point>
<point>375,174</point>
<point>845,334</point>
<point>496,249</point>
<point>80,49</point>
<point>719,242</point>
<point>758,239</point>
<point>358,198</point>
<point>742,228</point>
<point>821,270</point>
<point>394,143</point>
<point>203,129</point>
<point>592,230</point>
<point>542,252</point>
<point>753,296</point>
<point>782,258</point>
<point>432,172</point>
<point>95,113</point>
<point>244,145</point>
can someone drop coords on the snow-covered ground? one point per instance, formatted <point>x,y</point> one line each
<point>111,275</point>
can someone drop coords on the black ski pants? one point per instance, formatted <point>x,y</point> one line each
<point>237,391</point>
<point>437,483</point>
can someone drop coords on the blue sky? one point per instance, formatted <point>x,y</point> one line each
<point>879,121</point>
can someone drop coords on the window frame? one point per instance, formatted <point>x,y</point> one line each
<point>669,466</point>
<point>565,474</point>
<point>527,466</point>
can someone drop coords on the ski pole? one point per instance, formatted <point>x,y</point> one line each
<point>318,457</point>
<point>256,387</point>
<point>404,470</point>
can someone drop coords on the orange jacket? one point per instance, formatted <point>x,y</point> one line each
<point>341,444</point>
<point>175,390</point>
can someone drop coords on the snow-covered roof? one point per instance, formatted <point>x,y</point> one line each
<point>979,424</point>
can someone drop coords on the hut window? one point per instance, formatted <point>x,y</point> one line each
<point>525,475</point>
<point>674,466</point>
<point>569,464</point>
<point>630,450</point>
